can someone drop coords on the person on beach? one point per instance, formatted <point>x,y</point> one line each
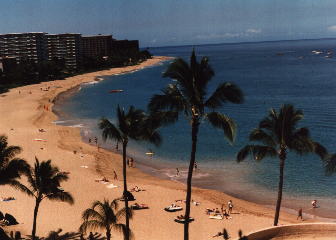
<point>226,214</point>
<point>230,206</point>
<point>177,171</point>
<point>115,175</point>
<point>300,215</point>
<point>314,203</point>
<point>131,162</point>
<point>89,140</point>
<point>128,162</point>
<point>195,165</point>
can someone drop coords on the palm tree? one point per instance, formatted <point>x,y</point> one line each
<point>134,124</point>
<point>276,135</point>
<point>45,183</point>
<point>11,167</point>
<point>188,95</point>
<point>104,215</point>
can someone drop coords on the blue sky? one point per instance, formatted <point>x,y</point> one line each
<point>174,22</point>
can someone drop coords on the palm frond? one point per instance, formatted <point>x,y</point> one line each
<point>320,150</point>
<point>262,136</point>
<point>162,118</point>
<point>19,186</point>
<point>91,224</point>
<point>205,74</point>
<point>122,213</point>
<point>92,214</point>
<point>180,71</point>
<point>109,130</point>
<point>121,228</point>
<point>61,196</point>
<point>330,164</point>
<point>225,92</point>
<point>258,152</point>
<point>223,122</point>
<point>171,100</point>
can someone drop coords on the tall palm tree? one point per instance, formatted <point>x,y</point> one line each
<point>188,94</point>
<point>11,167</point>
<point>276,135</point>
<point>134,124</point>
<point>45,183</point>
<point>104,215</point>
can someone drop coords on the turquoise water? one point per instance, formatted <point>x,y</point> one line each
<point>270,74</point>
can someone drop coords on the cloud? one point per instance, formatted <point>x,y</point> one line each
<point>218,36</point>
<point>253,30</point>
<point>332,28</point>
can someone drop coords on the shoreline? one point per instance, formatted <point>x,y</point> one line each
<point>63,141</point>
<point>165,169</point>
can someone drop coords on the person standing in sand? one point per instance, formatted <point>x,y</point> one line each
<point>230,206</point>
<point>177,172</point>
<point>115,175</point>
<point>300,215</point>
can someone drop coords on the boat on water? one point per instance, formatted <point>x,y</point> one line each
<point>317,52</point>
<point>116,91</point>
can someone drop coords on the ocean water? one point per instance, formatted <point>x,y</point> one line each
<point>270,74</point>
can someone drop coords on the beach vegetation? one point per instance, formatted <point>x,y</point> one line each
<point>11,166</point>
<point>276,135</point>
<point>104,216</point>
<point>132,124</point>
<point>44,182</point>
<point>188,94</point>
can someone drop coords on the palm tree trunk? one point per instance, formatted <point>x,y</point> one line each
<point>37,204</point>
<point>108,234</point>
<point>194,132</point>
<point>125,190</point>
<point>282,158</point>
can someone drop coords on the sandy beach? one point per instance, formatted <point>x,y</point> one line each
<point>26,109</point>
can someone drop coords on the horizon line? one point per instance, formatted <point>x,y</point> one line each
<point>244,42</point>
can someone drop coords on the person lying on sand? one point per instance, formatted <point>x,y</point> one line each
<point>137,189</point>
<point>104,180</point>
<point>208,211</point>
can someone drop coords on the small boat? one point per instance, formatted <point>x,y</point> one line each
<point>182,220</point>
<point>116,91</point>
<point>149,153</point>
<point>173,208</point>
<point>316,52</point>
